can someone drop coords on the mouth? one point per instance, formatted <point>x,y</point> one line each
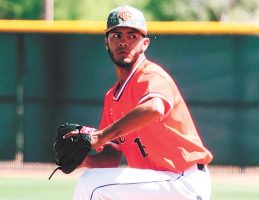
<point>123,52</point>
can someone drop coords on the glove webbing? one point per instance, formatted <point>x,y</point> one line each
<point>80,136</point>
<point>59,167</point>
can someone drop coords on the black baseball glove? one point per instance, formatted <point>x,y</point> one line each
<point>70,152</point>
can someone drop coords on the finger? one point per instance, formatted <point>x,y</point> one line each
<point>71,134</point>
<point>87,130</point>
<point>99,149</point>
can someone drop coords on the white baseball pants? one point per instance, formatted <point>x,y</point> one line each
<point>143,184</point>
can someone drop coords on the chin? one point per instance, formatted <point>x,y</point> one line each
<point>126,63</point>
<point>127,60</point>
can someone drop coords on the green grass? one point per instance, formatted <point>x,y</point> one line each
<point>39,188</point>
<point>36,189</point>
<point>235,189</point>
<point>232,192</point>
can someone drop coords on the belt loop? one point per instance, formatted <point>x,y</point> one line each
<point>201,167</point>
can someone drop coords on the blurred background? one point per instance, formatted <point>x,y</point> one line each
<point>184,10</point>
<point>49,76</point>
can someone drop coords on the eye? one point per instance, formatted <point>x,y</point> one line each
<point>132,36</point>
<point>116,35</point>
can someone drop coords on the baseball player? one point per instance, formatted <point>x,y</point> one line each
<point>145,118</point>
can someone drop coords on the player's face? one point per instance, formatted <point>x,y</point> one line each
<point>125,45</point>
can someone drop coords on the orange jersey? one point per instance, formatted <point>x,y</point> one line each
<point>171,144</point>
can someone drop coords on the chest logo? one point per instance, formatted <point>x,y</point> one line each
<point>141,147</point>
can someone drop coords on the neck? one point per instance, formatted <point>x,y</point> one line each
<point>123,73</point>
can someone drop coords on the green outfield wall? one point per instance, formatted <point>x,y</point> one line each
<point>56,73</point>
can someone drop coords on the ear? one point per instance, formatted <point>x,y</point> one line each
<point>146,42</point>
<point>106,43</point>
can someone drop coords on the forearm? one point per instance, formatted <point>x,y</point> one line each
<point>133,121</point>
<point>139,117</point>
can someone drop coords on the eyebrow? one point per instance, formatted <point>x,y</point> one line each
<point>129,32</point>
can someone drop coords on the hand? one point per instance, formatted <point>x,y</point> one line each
<point>95,142</point>
<point>83,130</point>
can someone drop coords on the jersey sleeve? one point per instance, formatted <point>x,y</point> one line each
<point>151,85</point>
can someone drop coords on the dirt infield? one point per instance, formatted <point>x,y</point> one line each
<point>23,169</point>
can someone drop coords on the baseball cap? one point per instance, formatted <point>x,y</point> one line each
<point>126,16</point>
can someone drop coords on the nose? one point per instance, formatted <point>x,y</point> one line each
<point>123,42</point>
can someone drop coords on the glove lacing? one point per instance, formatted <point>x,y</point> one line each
<point>58,168</point>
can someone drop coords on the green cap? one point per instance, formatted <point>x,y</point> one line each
<point>126,16</point>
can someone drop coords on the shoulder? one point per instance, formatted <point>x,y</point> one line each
<point>109,93</point>
<point>149,66</point>
<point>150,69</point>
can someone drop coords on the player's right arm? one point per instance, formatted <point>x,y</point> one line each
<point>108,157</point>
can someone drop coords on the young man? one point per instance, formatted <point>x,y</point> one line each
<point>146,119</point>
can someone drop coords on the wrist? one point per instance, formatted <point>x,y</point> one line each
<point>97,140</point>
